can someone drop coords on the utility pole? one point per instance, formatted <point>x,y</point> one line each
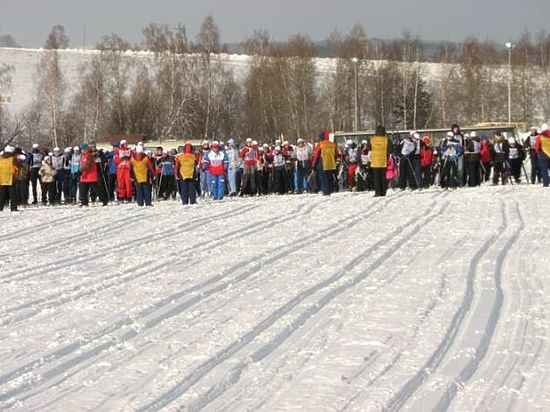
<point>510,46</point>
<point>355,62</point>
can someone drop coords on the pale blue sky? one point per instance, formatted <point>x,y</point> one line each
<point>29,21</point>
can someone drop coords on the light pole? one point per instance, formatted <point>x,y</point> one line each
<point>510,46</point>
<point>355,61</point>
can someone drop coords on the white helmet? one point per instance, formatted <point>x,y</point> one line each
<point>349,142</point>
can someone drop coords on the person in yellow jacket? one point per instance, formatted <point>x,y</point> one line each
<point>379,146</point>
<point>8,174</point>
<point>324,162</point>
<point>186,164</point>
<point>542,151</point>
<point>142,171</point>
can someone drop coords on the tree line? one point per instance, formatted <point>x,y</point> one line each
<point>185,89</point>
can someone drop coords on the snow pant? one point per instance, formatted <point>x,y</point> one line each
<point>59,179</point>
<point>35,179</point>
<point>124,183</point>
<point>280,184</point>
<point>217,183</point>
<point>11,192</point>
<point>460,171</point>
<point>352,170</point>
<point>205,182</point>
<point>143,194</point>
<point>535,168</point>
<point>232,179</point>
<point>364,178</point>
<point>544,163</point>
<point>515,168</point>
<point>406,174</point>
<point>472,170</point>
<point>426,176</point>
<point>379,181</point>
<point>88,189</point>
<point>326,178</point>
<point>263,181</point>
<point>188,192</point>
<point>67,185</point>
<point>417,167</point>
<point>301,182</point>
<point>248,184</point>
<point>450,174</point>
<point>48,192</point>
<point>22,188</point>
<point>111,182</point>
<point>166,186</point>
<point>75,179</point>
<point>500,170</point>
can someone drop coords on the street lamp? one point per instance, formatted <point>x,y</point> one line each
<point>355,61</point>
<point>510,46</point>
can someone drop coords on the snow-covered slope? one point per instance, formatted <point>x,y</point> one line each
<point>416,301</point>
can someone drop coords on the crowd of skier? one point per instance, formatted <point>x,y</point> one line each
<point>84,174</point>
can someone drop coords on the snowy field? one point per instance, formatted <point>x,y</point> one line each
<point>419,301</point>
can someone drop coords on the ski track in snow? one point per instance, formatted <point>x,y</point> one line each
<point>345,303</point>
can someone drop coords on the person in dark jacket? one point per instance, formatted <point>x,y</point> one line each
<point>516,156</point>
<point>499,157</point>
<point>35,163</point>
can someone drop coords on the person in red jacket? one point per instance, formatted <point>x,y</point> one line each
<point>426,160</point>
<point>485,158</point>
<point>122,158</point>
<point>251,157</point>
<point>89,176</point>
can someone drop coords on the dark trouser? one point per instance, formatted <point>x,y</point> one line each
<point>280,183</point>
<point>48,192</point>
<point>249,178</point>
<point>167,186</point>
<point>472,169</point>
<point>406,174</point>
<point>10,191</point>
<point>112,185</point>
<point>426,176</point>
<point>93,189</point>
<point>535,168</point>
<point>143,194</point>
<point>188,192</point>
<point>326,177</point>
<point>499,169</point>
<point>515,166</point>
<point>379,181</point>
<point>59,179</point>
<point>544,163</point>
<point>67,178</point>
<point>22,187</point>
<point>450,174</point>
<point>35,179</point>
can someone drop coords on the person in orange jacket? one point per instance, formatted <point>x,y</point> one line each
<point>324,161</point>
<point>542,150</point>
<point>143,172</point>
<point>186,176</point>
<point>8,174</point>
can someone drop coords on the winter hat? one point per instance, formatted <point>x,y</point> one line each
<point>215,145</point>
<point>8,149</point>
<point>231,142</point>
<point>139,149</point>
<point>67,150</point>
<point>380,130</point>
<point>56,149</point>
<point>511,140</point>
<point>364,142</point>
<point>35,146</point>
<point>544,127</point>
<point>300,141</point>
<point>416,136</point>
<point>254,143</point>
<point>450,135</point>
<point>123,142</point>
<point>76,149</point>
<point>286,143</point>
<point>466,136</point>
<point>205,143</point>
<point>265,145</point>
<point>47,159</point>
<point>277,142</point>
<point>427,140</point>
<point>277,148</point>
<point>22,157</point>
<point>249,140</point>
<point>473,134</point>
<point>83,146</point>
<point>349,142</point>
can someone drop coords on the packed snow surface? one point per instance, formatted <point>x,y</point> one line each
<point>426,300</point>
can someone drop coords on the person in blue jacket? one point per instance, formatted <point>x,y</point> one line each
<point>451,150</point>
<point>216,163</point>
